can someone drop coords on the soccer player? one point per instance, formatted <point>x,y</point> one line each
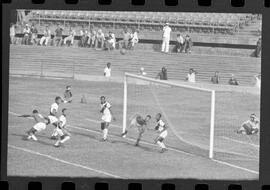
<point>67,95</point>
<point>250,126</point>
<point>107,70</point>
<point>141,124</point>
<point>53,115</point>
<point>162,130</point>
<point>41,123</point>
<point>62,131</point>
<point>106,116</point>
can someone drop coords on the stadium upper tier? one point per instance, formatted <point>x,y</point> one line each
<point>201,22</point>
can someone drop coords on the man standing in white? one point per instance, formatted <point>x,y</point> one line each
<point>166,38</point>
<point>107,70</point>
<point>191,76</point>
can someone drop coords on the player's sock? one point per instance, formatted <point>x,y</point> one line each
<point>161,144</point>
<point>105,133</point>
<point>66,138</point>
<point>34,137</point>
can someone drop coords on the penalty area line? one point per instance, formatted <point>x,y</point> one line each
<point>63,161</point>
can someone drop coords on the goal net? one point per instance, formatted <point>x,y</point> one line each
<point>200,121</point>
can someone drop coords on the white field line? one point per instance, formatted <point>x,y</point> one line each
<point>241,142</point>
<point>172,149</point>
<point>63,161</point>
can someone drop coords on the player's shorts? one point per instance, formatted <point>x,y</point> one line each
<point>52,119</point>
<point>39,126</point>
<point>163,134</point>
<point>104,125</point>
<point>106,118</point>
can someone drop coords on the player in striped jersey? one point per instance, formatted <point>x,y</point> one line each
<point>53,115</point>
<point>62,130</point>
<point>162,130</point>
<point>41,123</point>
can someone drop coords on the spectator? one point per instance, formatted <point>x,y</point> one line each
<point>58,38</point>
<point>46,37</point>
<point>215,78</point>
<point>83,36</point>
<point>70,37</point>
<point>258,80</point>
<point>100,38</point>
<point>142,72</point>
<point>233,80</point>
<point>166,38</point>
<point>110,41</point>
<point>91,38</point>
<point>107,70</point>
<point>162,75</point>
<point>12,33</point>
<point>126,38</point>
<point>188,44</point>
<point>251,126</point>
<point>134,38</point>
<point>34,34</point>
<point>258,48</point>
<point>179,43</point>
<point>26,35</point>
<point>191,76</point>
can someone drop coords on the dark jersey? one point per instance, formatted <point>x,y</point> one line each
<point>67,94</point>
<point>140,120</point>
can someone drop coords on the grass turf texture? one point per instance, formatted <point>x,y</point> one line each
<point>85,155</point>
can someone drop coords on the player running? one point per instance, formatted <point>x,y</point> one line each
<point>162,130</point>
<point>141,124</point>
<point>250,126</point>
<point>106,116</point>
<point>41,123</point>
<point>53,115</point>
<point>61,129</point>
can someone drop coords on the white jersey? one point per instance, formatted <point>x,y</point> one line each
<point>106,113</point>
<point>63,121</point>
<point>166,31</point>
<point>191,77</point>
<point>107,72</point>
<point>162,129</point>
<point>54,106</point>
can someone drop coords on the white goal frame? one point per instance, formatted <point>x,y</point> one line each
<point>169,83</point>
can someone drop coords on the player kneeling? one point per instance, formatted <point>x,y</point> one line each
<point>141,124</point>
<point>62,131</point>
<point>250,126</point>
<point>162,129</point>
<point>41,123</point>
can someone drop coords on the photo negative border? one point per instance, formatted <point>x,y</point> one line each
<point>222,6</point>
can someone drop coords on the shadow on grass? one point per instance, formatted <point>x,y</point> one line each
<point>24,137</point>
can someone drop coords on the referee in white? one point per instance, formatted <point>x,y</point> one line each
<point>166,38</point>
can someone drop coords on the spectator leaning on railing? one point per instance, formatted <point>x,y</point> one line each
<point>12,33</point>
<point>215,79</point>
<point>46,36</point>
<point>162,75</point>
<point>110,41</point>
<point>179,43</point>
<point>70,37</point>
<point>258,48</point>
<point>134,38</point>
<point>83,36</point>
<point>191,76</point>
<point>34,34</point>
<point>188,44</point>
<point>26,35</point>
<point>58,33</point>
<point>126,38</point>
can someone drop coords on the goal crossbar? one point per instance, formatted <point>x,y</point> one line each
<point>169,83</point>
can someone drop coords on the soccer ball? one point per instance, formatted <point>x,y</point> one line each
<point>123,51</point>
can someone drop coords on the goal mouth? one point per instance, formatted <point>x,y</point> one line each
<point>189,112</point>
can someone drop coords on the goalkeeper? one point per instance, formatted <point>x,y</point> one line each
<point>141,124</point>
<point>250,126</point>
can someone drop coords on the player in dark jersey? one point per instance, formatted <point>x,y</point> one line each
<point>139,122</point>
<point>67,95</point>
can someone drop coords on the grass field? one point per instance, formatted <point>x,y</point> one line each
<point>236,157</point>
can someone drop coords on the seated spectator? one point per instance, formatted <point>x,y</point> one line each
<point>250,126</point>
<point>67,95</point>
<point>142,72</point>
<point>83,37</point>
<point>34,35</point>
<point>58,37</point>
<point>188,44</point>
<point>162,75</point>
<point>258,48</point>
<point>46,36</point>
<point>12,33</point>
<point>191,76</point>
<point>70,37</point>
<point>26,35</point>
<point>100,38</point>
<point>134,38</point>
<point>258,80</point>
<point>233,80</point>
<point>110,41</point>
<point>107,70</point>
<point>215,78</point>
<point>179,43</point>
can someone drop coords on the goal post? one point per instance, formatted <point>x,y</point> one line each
<point>138,81</point>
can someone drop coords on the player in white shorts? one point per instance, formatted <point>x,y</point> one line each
<point>106,117</point>
<point>41,123</point>
<point>162,130</point>
<point>53,115</point>
<point>62,130</point>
